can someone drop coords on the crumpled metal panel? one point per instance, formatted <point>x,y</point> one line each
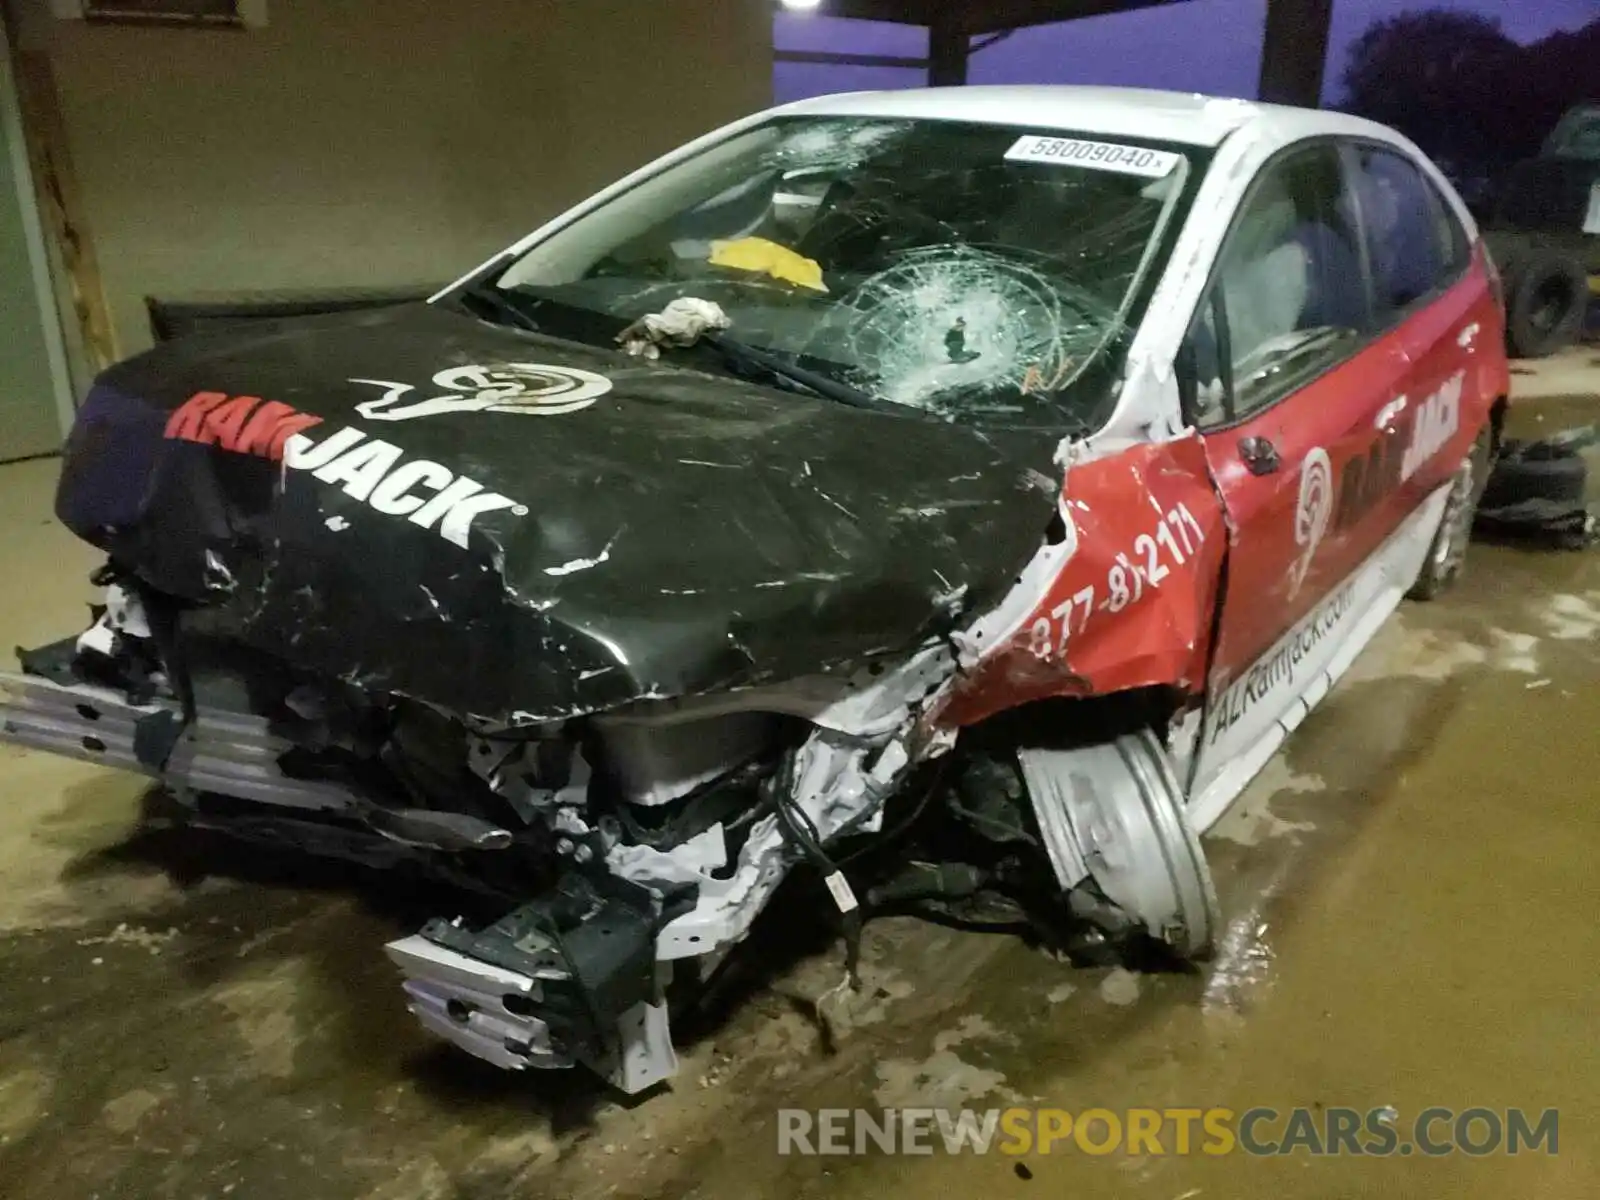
<point>663,532</point>
<point>1124,599</point>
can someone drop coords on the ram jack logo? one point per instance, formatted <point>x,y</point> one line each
<point>376,473</point>
<point>1438,420</point>
<point>529,389</point>
<point>1311,514</point>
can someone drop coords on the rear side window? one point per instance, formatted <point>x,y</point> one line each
<point>1415,243</point>
<point>1452,236</point>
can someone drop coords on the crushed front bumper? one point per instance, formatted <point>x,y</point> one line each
<point>570,977</point>
<point>229,753</point>
<point>484,1009</point>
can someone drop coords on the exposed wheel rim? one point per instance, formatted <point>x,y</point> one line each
<point>1455,530</point>
<point>1114,812</point>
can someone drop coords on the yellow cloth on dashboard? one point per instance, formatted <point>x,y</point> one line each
<point>760,256</point>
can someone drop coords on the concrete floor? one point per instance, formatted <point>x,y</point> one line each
<point>1573,372</point>
<point>1411,902</point>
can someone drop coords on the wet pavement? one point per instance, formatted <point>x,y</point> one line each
<point>1411,924</point>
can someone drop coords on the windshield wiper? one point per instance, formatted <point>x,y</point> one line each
<point>485,298</point>
<point>755,364</point>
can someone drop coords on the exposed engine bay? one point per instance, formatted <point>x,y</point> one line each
<point>628,851</point>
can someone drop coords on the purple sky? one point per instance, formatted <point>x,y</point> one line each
<point>1204,45</point>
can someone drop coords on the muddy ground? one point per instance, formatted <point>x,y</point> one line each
<point>1411,899</point>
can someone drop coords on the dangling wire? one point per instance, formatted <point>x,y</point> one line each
<point>803,830</point>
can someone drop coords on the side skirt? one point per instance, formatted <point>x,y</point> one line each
<point>1294,675</point>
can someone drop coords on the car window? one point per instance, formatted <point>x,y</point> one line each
<point>965,272</point>
<point>1452,236</point>
<point>1289,298</point>
<point>1201,366</point>
<point>1415,244</point>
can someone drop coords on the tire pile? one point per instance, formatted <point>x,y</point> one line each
<point>1538,491</point>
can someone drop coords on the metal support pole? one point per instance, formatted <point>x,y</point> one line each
<point>1294,52</point>
<point>947,52</point>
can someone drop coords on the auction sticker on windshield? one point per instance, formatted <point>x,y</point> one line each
<point>1097,156</point>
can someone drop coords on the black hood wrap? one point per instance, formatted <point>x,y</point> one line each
<point>683,533</point>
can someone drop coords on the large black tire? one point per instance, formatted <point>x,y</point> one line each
<point>1447,554</point>
<point>1547,297</point>
<point>1545,470</point>
<point>1538,492</point>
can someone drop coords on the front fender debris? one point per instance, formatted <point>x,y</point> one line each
<point>1120,595</point>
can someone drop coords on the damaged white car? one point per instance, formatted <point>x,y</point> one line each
<point>987,479</point>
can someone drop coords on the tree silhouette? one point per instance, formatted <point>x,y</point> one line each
<point>1471,97</point>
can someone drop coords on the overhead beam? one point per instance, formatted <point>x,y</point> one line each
<point>840,58</point>
<point>1294,52</point>
<point>977,17</point>
<point>900,12</point>
<point>996,15</point>
<point>952,26</point>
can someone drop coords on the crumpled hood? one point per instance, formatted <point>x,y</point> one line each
<point>510,525</point>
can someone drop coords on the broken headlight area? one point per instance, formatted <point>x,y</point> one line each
<point>628,851</point>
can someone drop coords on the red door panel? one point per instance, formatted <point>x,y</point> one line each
<point>1457,373</point>
<point>1451,336</point>
<point>1288,550</point>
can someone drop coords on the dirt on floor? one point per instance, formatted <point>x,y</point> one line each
<point>1410,902</point>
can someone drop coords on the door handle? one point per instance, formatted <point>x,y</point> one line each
<point>1260,456</point>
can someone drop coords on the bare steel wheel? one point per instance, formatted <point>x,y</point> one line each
<point>1448,553</point>
<point>1113,813</point>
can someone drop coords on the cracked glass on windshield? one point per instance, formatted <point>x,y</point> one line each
<point>967,272</point>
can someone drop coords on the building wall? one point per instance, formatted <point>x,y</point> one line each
<point>376,142</point>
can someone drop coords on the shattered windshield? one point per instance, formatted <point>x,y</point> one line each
<point>968,272</point>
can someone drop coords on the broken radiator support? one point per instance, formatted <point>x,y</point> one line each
<point>569,977</point>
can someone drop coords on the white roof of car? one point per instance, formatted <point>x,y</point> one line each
<point>1184,117</point>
